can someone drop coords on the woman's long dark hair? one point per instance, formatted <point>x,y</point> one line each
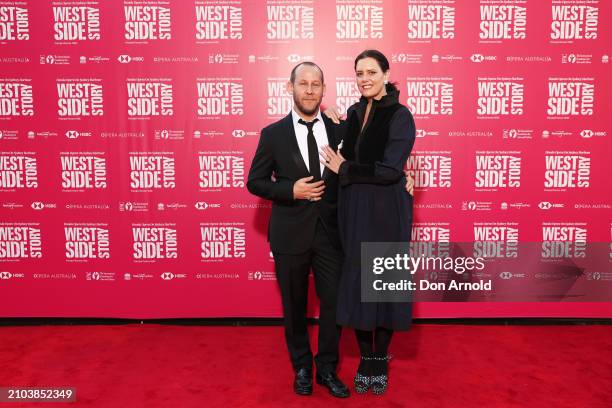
<point>383,63</point>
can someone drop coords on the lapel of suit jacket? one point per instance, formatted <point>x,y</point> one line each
<point>294,149</point>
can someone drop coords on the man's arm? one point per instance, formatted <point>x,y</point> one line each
<point>259,181</point>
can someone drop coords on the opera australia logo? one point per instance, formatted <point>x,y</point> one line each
<point>16,98</point>
<point>14,23</point>
<point>430,20</point>
<point>290,22</point>
<point>76,23</point>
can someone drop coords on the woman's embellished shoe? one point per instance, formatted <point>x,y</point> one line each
<point>380,381</point>
<point>363,379</point>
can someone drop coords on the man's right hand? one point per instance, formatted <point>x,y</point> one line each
<point>303,189</point>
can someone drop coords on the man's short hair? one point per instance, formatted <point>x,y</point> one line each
<point>308,63</point>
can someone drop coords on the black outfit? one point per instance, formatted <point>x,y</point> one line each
<point>373,204</point>
<point>302,235</point>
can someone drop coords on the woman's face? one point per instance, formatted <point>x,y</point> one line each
<point>370,78</point>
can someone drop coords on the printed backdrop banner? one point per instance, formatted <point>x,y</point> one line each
<point>127,130</point>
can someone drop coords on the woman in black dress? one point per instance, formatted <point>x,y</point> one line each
<point>373,206</point>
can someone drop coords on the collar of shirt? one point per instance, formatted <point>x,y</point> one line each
<point>295,116</point>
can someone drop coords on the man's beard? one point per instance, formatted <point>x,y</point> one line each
<point>305,110</point>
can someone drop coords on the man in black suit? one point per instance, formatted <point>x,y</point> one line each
<point>303,228</point>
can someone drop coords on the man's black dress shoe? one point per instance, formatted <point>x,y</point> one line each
<point>302,385</point>
<point>333,384</point>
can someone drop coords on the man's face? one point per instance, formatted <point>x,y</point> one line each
<point>307,90</point>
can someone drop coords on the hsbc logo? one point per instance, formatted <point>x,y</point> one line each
<point>201,205</point>
<point>545,205</point>
<point>6,275</point>
<point>294,58</point>
<point>506,275</point>
<point>239,133</point>
<point>481,58</point>
<point>126,59</point>
<point>72,134</point>
<point>167,276</point>
<point>587,133</point>
<point>37,205</point>
<point>421,133</point>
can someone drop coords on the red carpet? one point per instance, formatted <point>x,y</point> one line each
<point>194,366</point>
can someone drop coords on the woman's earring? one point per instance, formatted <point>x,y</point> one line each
<point>386,82</point>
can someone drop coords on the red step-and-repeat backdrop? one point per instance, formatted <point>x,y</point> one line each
<point>127,130</point>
